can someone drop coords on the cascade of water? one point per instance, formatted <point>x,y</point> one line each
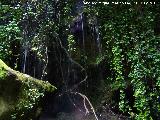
<point>97,37</point>
<point>25,50</point>
<point>31,64</point>
<point>84,49</point>
<point>83,39</point>
<point>25,37</point>
<point>25,58</point>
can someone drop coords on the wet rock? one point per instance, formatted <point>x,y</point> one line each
<point>20,94</point>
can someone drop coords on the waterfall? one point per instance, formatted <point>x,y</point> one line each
<point>25,41</point>
<point>83,37</point>
<point>97,37</point>
<point>25,58</point>
<point>25,49</point>
<point>62,71</point>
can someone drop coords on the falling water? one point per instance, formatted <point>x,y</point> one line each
<point>25,58</point>
<point>31,63</point>
<point>66,68</point>
<point>97,38</point>
<point>83,39</point>
<point>25,38</point>
<point>25,49</point>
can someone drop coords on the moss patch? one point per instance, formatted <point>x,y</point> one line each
<point>20,94</point>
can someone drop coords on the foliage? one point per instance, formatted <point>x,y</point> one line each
<point>130,45</point>
<point>30,97</point>
<point>71,44</point>
<point>131,48</point>
<point>20,94</point>
<point>9,30</point>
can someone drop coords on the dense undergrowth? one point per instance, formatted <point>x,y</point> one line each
<point>129,37</point>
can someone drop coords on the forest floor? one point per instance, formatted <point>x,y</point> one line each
<point>105,114</point>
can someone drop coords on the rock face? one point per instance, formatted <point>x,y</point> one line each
<point>20,95</point>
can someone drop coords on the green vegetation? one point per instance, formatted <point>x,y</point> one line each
<point>131,48</point>
<point>9,30</point>
<point>21,94</point>
<point>71,44</point>
<point>128,54</point>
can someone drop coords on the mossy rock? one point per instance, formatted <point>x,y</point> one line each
<point>20,94</point>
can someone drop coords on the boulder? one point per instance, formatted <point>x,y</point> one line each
<point>21,95</point>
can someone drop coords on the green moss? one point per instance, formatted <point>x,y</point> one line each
<point>2,64</point>
<point>20,94</point>
<point>2,74</point>
<point>3,71</point>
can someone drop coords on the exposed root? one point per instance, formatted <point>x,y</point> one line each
<point>85,99</point>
